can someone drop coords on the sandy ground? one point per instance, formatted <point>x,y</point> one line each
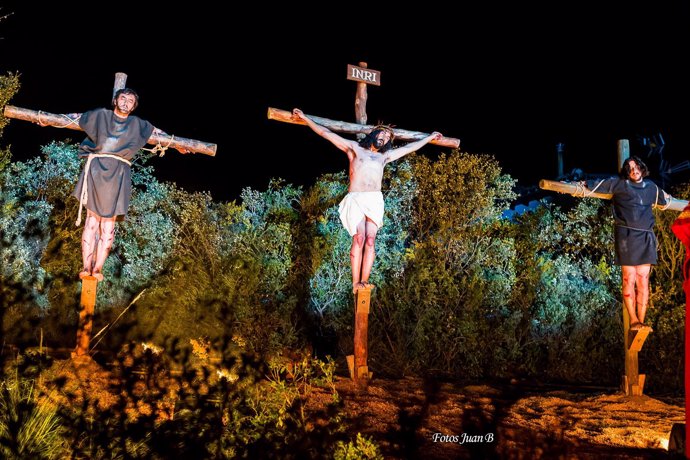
<point>416,419</point>
<point>411,418</point>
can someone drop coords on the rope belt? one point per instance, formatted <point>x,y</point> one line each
<point>84,195</point>
<point>633,228</point>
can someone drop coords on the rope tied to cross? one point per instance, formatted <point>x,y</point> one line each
<point>581,190</point>
<point>160,148</point>
<point>70,120</point>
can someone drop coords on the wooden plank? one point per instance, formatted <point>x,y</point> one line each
<point>363,74</point>
<point>362,300</point>
<point>89,287</point>
<point>583,192</point>
<point>637,338</point>
<point>351,365</point>
<point>361,103</point>
<point>354,128</point>
<point>120,82</point>
<point>71,122</point>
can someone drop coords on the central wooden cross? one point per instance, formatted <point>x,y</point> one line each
<point>359,371</point>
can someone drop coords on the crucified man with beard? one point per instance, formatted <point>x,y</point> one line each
<point>361,211</point>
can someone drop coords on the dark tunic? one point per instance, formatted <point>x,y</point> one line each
<point>110,180</point>
<point>635,242</point>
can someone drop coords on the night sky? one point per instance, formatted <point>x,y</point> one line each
<point>512,81</point>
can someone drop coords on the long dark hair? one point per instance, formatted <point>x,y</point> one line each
<point>625,170</point>
<point>370,138</point>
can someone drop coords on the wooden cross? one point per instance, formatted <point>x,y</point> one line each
<point>359,371</point>
<point>89,286</point>
<point>633,381</point>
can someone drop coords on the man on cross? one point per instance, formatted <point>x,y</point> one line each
<point>105,184</point>
<point>634,240</point>
<point>361,211</point>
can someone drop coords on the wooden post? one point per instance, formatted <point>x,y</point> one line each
<point>120,82</point>
<point>560,147</point>
<point>361,103</point>
<point>623,152</point>
<point>633,381</point>
<point>87,305</point>
<point>360,369</point>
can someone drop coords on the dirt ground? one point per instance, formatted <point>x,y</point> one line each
<point>412,419</point>
<point>416,419</point>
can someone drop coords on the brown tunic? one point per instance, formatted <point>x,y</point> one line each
<point>110,180</point>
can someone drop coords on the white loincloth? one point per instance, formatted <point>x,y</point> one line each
<point>358,205</point>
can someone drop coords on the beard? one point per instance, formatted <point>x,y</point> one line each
<point>123,109</point>
<point>379,143</point>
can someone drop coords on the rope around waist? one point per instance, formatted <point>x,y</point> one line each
<point>634,228</point>
<point>84,194</point>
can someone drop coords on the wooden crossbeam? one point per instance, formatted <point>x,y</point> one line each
<point>354,128</point>
<point>71,121</point>
<point>584,192</point>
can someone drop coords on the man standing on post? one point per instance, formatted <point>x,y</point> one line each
<point>634,239</point>
<point>105,184</point>
<point>361,211</point>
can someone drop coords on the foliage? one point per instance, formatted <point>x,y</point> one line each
<point>362,448</point>
<point>9,86</point>
<point>437,315</point>
<point>28,428</point>
<point>461,291</point>
<point>216,404</point>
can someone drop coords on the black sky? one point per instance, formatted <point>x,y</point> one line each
<point>508,80</point>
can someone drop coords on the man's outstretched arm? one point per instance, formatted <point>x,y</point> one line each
<point>343,144</point>
<point>411,147</point>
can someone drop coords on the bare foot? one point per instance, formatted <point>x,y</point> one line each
<point>84,273</point>
<point>636,326</point>
<point>644,326</point>
<point>357,286</point>
<point>98,275</point>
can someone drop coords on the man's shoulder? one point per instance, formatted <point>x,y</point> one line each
<point>97,111</point>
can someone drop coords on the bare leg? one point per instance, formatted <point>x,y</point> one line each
<point>356,255</point>
<point>105,242</point>
<point>89,239</point>
<point>629,277</point>
<point>642,287</point>
<point>369,250</point>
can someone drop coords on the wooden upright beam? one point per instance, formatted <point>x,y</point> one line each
<point>71,122</point>
<point>354,128</point>
<point>623,152</point>
<point>87,306</point>
<point>120,82</point>
<point>361,103</point>
<point>360,368</point>
<point>633,381</point>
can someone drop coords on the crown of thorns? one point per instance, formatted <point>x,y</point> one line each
<point>388,128</point>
